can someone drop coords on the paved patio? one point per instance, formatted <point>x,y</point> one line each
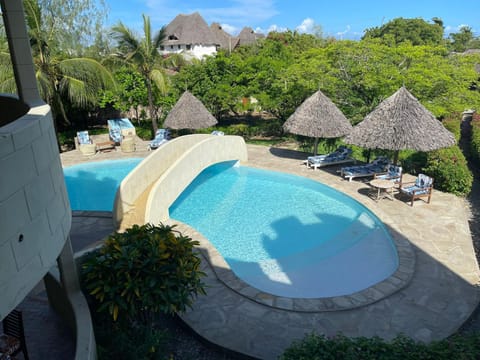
<point>440,296</point>
<point>435,301</point>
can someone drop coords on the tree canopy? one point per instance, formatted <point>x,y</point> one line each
<point>417,31</point>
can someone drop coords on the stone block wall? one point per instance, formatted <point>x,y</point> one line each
<point>35,216</point>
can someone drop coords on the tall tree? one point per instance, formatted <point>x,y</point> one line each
<point>417,31</point>
<point>62,77</point>
<point>143,55</point>
<point>460,41</point>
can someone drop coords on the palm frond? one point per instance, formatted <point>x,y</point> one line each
<point>159,38</point>
<point>126,39</point>
<point>8,85</point>
<point>78,91</point>
<point>82,78</point>
<point>159,79</point>
<point>147,32</point>
<point>45,86</point>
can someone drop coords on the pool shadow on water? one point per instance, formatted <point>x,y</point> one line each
<point>322,259</point>
<point>88,193</point>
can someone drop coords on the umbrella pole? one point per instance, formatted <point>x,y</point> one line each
<point>395,157</point>
<point>315,147</point>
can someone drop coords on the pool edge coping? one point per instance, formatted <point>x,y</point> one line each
<point>395,282</point>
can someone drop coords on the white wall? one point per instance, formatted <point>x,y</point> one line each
<point>198,51</point>
<point>35,216</point>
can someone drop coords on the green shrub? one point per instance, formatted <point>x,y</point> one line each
<point>129,343</point>
<point>318,347</point>
<point>412,161</point>
<point>449,169</point>
<point>142,272</point>
<point>239,129</point>
<point>452,124</point>
<point>475,140</point>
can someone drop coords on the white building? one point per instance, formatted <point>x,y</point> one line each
<point>189,35</point>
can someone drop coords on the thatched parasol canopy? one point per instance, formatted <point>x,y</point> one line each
<point>189,113</point>
<point>400,122</point>
<point>318,117</point>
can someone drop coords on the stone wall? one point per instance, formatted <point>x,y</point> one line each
<point>35,216</point>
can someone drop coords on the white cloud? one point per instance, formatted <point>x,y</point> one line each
<point>276,28</point>
<point>232,30</point>
<point>341,34</point>
<point>307,26</point>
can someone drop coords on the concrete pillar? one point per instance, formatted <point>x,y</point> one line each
<point>20,52</point>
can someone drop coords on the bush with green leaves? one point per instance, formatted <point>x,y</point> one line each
<point>143,271</point>
<point>115,342</point>
<point>475,140</point>
<point>340,347</point>
<point>449,169</point>
<point>452,124</point>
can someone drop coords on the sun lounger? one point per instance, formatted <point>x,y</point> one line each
<point>85,144</point>
<point>119,128</point>
<point>339,156</point>
<point>379,165</point>
<point>161,137</point>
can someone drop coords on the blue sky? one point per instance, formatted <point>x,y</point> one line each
<point>345,19</point>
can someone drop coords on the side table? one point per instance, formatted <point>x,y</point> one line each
<point>384,188</point>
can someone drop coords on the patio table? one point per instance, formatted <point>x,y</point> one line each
<point>384,188</point>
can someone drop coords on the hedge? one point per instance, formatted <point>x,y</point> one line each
<point>340,347</point>
<point>449,169</point>
<point>475,140</point>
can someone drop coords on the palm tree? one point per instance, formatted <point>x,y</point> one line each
<point>60,76</point>
<point>144,56</point>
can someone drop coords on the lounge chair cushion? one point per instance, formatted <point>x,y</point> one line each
<point>161,137</point>
<point>376,166</point>
<point>410,190</point>
<point>423,181</point>
<point>393,173</point>
<point>338,155</point>
<point>115,135</point>
<point>83,138</point>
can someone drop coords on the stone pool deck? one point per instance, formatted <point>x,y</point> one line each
<point>439,295</point>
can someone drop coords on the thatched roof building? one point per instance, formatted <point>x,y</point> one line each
<point>318,117</point>
<point>248,37</point>
<point>400,122</point>
<point>224,39</point>
<point>189,113</point>
<point>189,30</point>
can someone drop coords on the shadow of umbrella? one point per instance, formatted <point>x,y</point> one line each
<point>400,122</point>
<point>318,117</point>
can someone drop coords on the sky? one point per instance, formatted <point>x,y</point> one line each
<point>343,19</point>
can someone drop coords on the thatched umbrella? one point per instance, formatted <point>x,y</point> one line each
<point>400,122</point>
<point>189,113</point>
<point>318,117</point>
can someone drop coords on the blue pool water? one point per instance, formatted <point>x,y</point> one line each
<point>283,234</point>
<point>92,186</point>
<point>287,235</point>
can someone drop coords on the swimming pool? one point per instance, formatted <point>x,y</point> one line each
<point>287,235</point>
<point>92,186</point>
<point>282,234</point>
